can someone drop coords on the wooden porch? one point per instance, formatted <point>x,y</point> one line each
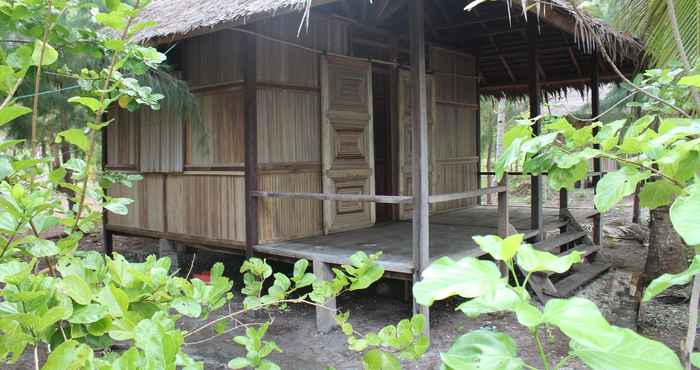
<point>451,235</point>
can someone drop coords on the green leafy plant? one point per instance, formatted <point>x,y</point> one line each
<point>592,339</point>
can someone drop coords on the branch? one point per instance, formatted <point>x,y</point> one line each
<point>692,322</point>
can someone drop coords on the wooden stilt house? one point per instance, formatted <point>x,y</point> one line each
<point>329,127</point>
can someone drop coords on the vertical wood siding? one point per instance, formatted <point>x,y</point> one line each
<point>161,142</point>
<point>218,141</point>
<point>206,206</point>
<point>212,59</point>
<point>146,212</point>
<point>454,142</point>
<point>123,139</point>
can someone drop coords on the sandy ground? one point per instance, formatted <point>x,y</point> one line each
<point>304,348</point>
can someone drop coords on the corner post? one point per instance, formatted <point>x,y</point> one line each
<point>107,236</point>
<point>595,111</point>
<point>419,116</point>
<point>534,92</point>
<point>251,141</point>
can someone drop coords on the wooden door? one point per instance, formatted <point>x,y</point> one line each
<point>406,139</point>
<point>347,142</point>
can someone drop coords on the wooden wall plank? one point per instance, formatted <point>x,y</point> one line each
<point>122,140</point>
<point>213,207</point>
<point>147,210</point>
<point>161,148</point>
<point>218,140</point>
<point>212,58</point>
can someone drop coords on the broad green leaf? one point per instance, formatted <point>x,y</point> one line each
<point>113,20</point>
<point>376,359</point>
<point>239,363</point>
<point>468,278</point>
<point>92,103</point>
<point>685,215</point>
<point>186,306</point>
<point>76,137</point>
<point>580,320</point>
<point>50,55</point>
<point>364,270</point>
<point>627,350</point>
<point>501,298</point>
<point>58,175</point>
<point>607,135</point>
<point>69,355</point>
<point>43,248</point>
<point>658,193</point>
<point>118,205</point>
<point>559,177</point>
<point>532,260</point>
<point>11,112</point>
<point>560,124</point>
<point>482,350</point>
<point>616,185</point>
<point>116,301</point>
<point>88,314</point>
<point>692,80</point>
<point>664,281</point>
<point>695,359</point>
<point>500,249</point>
<point>510,156</point>
<point>76,288</point>
<point>536,143</point>
<point>519,131</point>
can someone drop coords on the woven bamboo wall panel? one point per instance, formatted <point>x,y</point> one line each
<point>211,207</point>
<point>122,139</point>
<point>289,126</point>
<point>212,59</point>
<point>292,65</point>
<point>284,219</point>
<point>146,212</point>
<point>161,141</point>
<point>218,140</point>
<point>454,75</point>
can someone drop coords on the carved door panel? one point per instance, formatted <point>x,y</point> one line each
<point>347,142</point>
<point>406,139</point>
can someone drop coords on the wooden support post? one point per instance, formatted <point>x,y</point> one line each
<point>168,248</point>
<point>503,212</point>
<point>251,142</point>
<point>107,236</point>
<point>563,206</point>
<point>477,135</point>
<point>534,92</point>
<point>325,318</point>
<point>595,111</point>
<point>419,114</point>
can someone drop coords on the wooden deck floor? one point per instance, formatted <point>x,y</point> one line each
<point>450,235</point>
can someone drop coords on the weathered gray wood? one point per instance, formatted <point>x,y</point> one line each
<point>583,275</point>
<point>549,245</point>
<point>595,111</point>
<point>325,317</point>
<point>421,254</point>
<point>534,93</point>
<point>390,199</point>
<point>469,194</point>
<point>504,224</point>
<point>625,295</point>
<point>251,143</point>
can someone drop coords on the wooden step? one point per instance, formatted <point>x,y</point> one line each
<point>552,243</point>
<point>585,249</point>
<point>583,275</point>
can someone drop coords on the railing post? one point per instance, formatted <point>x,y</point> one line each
<point>421,256</point>
<point>503,212</point>
<point>250,91</point>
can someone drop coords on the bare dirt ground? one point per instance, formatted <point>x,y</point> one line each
<point>304,348</point>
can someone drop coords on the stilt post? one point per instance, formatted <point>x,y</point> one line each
<point>107,237</point>
<point>595,111</point>
<point>419,116</point>
<point>251,142</point>
<point>534,92</point>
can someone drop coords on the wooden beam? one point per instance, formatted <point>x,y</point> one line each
<point>419,116</point>
<point>507,67</point>
<point>440,198</point>
<point>388,199</point>
<point>574,61</point>
<point>595,111</point>
<point>470,23</point>
<point>387,12</point>
<point>251,142</point>
<point>443,12</point>
<point>534,92</point>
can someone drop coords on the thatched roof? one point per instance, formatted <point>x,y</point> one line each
<point>493,30</point>
<point>180,17</point>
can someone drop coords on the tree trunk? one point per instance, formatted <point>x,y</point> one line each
<point>667,252</point>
